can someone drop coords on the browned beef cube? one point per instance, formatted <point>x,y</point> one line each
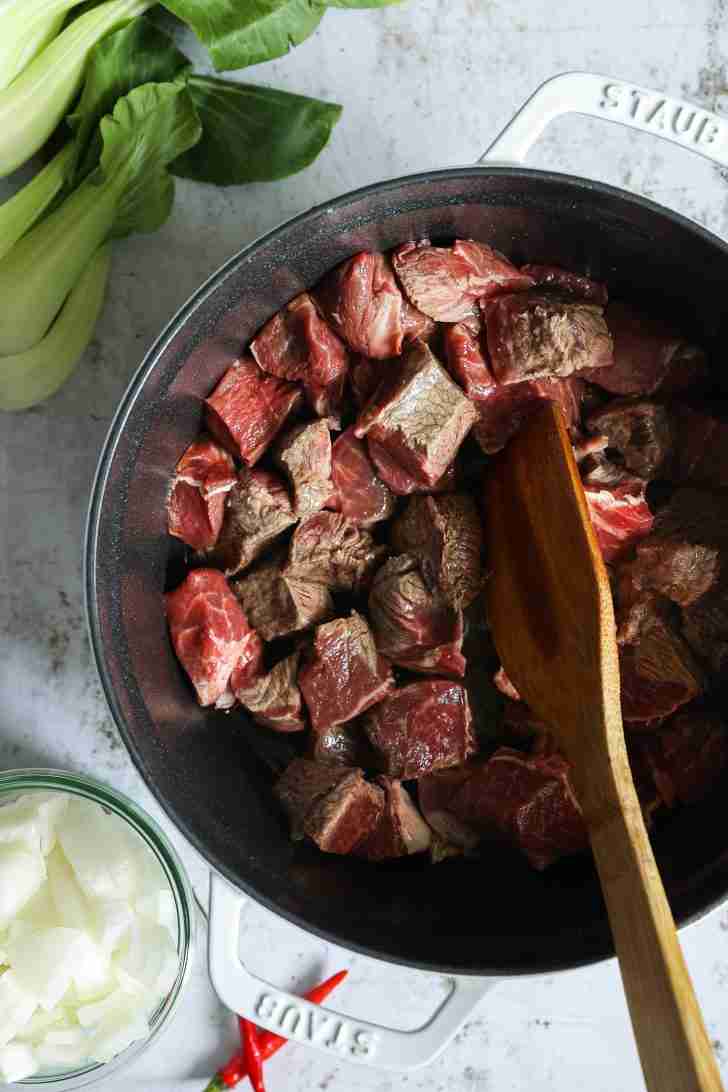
<point>360,494</point>
<point>298,345</point>
<point>446,535</point>
<point>345,674</point>
<point>363,302</point>
<point>329,549</point>
<point>278,603</point>
<point>257,511</point>
<point>418,415</point>
<point>553,276</point>
<point>346,816</point>
<point>435,792</point>
<point>343,745</point>
<point>526,800</point>
<point>686,756</point>
<point>705,628</point>
<point>658,672</point>
<point>415,626</point>
<point>641,431</point>
<point>446,282</point>
<point>273,699</point>
<point>247,408</point>
<point>402,482</point>
<point>301,784</point>
<point>196,505</point>
<point>423,727</point>
<point>544,335</point>
<point>401,830</point>
<point>304,454</point>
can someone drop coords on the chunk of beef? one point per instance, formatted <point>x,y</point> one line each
<point>365,376</point>
<point>414,626</point>
<point>658,672</point>
<point>329,549</point>
<point>257,511</point>
<point>196,504</point>
<point>416,325</point>
<point>648,355</point>
<point>446,535</point>
<point>210,634</point>
<point>304,454</point>
<point>419,415</point>
<point>301,784</point>
<point>641,431</point>
<point>247,409</point>
<point>435,792</point>
<point>346,816</point>
<point>343,745</point>
<point>575,284</point>
<point>277,603</point>
<point>528,801</point>
<point>401,830</point>
<point>467,362</point>
<point>509,405</point>
<point>701,448</point>
<point>273,699</point>
<point>345,673</point>
<point>359,492</point>
<point>401,482</point>
<point>297,344</point>
<point>544,335</point>
<point>446,282</point>
<point>619,512</point>
<point>422,727</point>
<point>363,302</point>
<point>686,757</point>
<point>705,628</point>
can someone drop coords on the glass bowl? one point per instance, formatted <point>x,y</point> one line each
<point>14,783</point>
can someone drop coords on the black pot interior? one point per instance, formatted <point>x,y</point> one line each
<point>211,772</point>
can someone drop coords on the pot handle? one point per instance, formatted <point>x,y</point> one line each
<point>627,104</point>
<point>315,1025</point>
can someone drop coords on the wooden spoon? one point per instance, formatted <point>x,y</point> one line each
<point>550,610</point>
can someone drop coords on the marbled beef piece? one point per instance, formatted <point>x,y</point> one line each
<point>446,535</point>
<point>686,756</point>
<point>400,481</point>
<point>362,300</point>
<point>507,406</point>
<point>359,492</point>
<point>544,335</point>
<point>344,674</point>
<point>301,784</point>
<point>641,431</point>
<point>343,745</point>
<point>648,356</point>
<point>196,504</point>
<point>258,510</point>
<point>528,801</point>
<point>329,549</point>
<point>418,415</point>
<point>277,603</point>
<point>414,626</point>
<point>446,282</point>
<point>575,284</point>
<point>705,628</point>
<point>467,362</point>
<point>416,325</point>
<point>619,511</point>
<point>346,816</point>
<point>657,670</point>
<point>297,344</point>
<point>210,634</point>
<point>401,830</point>
<point>304,454</point>
<point>247,409</point>
<point>273,699</point>
<point>435,792</point>
<point>422,727</point>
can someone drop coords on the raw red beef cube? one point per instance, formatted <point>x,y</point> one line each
<point>365,375</point>
<point>648,355</point>
<point>620,514</point>
<point>196,505</point>
<point>401,830</point>
<point>435,792</point>
<point>686,756</point>
<point>658,672</point>
<point>346,816</point>
<point>544,335</point>
<point>414,626</point>
<point>297,344</point>
<point>363,302</point>
<point>466,361</point>
<point>416,325</point>
<point>422,727</point>
<point>329,549</point>
<point>301,784</point>
<point>273,699</point>
<point>304,453</point>
<point>345,674</point>
<point>526,800</point>
<point>401,482</point>
<point>446,535</point>
<point>257,511</point>
<point>343,745</point>
<point>505,408</point>
<point>210,634</point>
<point>705,628</point>
<point>553,276</point>
<point>277,603</point>
<point>641,431</point>
<point>247,408</point>
<point>446,282</point>
<point>360,494</point>
<point>701,448</point>
<point>419,415</point>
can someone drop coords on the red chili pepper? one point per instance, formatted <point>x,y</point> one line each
<point>251,1049</point>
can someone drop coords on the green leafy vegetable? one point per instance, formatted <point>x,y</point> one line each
<point>131,190</point>
<point>37,99</point>
<point>253,134</point>
<point>21,211</point>
<point>26,27</point>
<point>239,33</point>
<point>34,375</point>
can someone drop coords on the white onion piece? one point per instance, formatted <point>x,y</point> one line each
<point>111,920</point>
<point>61,1055</point>
<point>147,963</point>
<point>40,1023</point>
<point>43,961</point>
<point>38,913</point>
<point>119,1029</point>
<point>70,903</point>
<point>22,872</point>
<point>16,1007</point>
<point>160,909</point>
<point>17,1061</point>
<point>101,851</point>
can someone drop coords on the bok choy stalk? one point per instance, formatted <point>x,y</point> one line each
<point>130,190</point>
<point>22,37</point>
<point>21,211</point>
<point>39,97</point>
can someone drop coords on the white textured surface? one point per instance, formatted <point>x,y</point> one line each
<point>425,85</point>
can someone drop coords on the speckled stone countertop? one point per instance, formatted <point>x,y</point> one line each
<point>425,85</point>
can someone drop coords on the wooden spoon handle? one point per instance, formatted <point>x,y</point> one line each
<point>673,1044</point>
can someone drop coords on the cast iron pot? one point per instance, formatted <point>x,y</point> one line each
<point>211,773</point>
